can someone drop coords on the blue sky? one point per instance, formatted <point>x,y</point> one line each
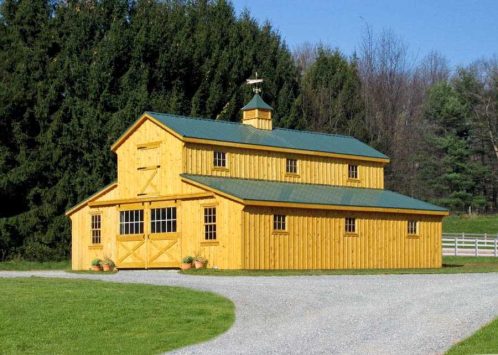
<point>460,30</point>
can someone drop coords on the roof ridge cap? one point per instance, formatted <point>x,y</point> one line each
<point>316,132</point>
<point>195,118</point>
<point>240,124</point>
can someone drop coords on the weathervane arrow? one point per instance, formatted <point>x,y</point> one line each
<point>256,89</point>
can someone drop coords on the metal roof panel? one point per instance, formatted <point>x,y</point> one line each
<point>225,131</point>
<point>274,191</point>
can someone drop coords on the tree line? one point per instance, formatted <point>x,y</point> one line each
<point>439,126</point>
<point>75,74</point>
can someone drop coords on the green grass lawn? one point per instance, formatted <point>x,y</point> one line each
<point>451,265</point>
<point>23,265</point>
<point>54,316</point>
<point>484,341</point>
<point>471,224</point>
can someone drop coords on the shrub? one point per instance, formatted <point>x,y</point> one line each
<point>108,261</point>
<point>187,260</point>
<point>201,259</point>
<point>96,262</point>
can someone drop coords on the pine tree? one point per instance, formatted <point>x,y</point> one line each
<point>330,98</point>
<point>75,74</point>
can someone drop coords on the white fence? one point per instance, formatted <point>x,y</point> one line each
<point>470,244</point>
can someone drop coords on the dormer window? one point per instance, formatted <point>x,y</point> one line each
<point>219,159</point>
<point>291,166</point>
<point>353,171</point>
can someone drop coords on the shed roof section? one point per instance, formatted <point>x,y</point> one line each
<point>224,131</point>
<point>92,197</point>
<point>273,191</point>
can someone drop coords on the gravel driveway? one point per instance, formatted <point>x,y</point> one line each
<point>381,314</point>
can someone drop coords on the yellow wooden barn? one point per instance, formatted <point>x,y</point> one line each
<point>248,196</point>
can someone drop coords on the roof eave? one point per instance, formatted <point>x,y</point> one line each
<point>384,161</point>
<point>90,198</point>
<point>344,208</point>
<point>145,116</point>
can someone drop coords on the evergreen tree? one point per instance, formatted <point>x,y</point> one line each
<point>330,98</point>
<point>450,177</point>
<point>75,74</point>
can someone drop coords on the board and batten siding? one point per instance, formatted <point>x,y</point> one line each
<point>265,165</point>
<point>316,240</point>
<point>149,163</point>
<point>142,250</point>
<point>83,251</point>
<point>225,252</point>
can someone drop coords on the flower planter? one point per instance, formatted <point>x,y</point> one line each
<point>96,268</point>
<point>199,264</point>
<point>186,266</point>
<point>107,268</point>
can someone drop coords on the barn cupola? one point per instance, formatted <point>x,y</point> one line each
<point>257,112</point>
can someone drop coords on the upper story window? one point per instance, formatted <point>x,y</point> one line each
<point>413,227</point>
<point>96,220</point>
<point>131,222</point>
<point>350,225</point>
<point>163,220</point>
<point>210,223</point>
<point>291,166</point>
<point>219,159</point>
<point>352,171</point>
<point>279,222</point>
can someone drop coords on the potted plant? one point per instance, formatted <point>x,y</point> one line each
<point>108,264</point>
<point>96,264</point>
<point>187,262</point>
<point>200,262</point>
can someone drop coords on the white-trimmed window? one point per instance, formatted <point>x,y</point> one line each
<point>96,222</point>
<point>131,222</point>
<point>279,222</point>
<point>350,225</point>
<point>163,220</point>
<point>413,227</point>
<point>291,166</point>
<point>219,159</point>
<point>352,171</point>
<point>210,223</point>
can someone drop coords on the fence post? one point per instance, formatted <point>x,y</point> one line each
<point>477,247</point>
<point>496,247</point>
<point>456,246</point>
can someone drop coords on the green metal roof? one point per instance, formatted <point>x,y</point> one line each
<point>256,102</point>
<point>281,138</point>
<point>274,191</point>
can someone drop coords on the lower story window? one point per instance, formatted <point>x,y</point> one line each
<point>163,220</point>
<point>210,223</point>
<point>350,225</point>
<point>412,227</point>
<point>96,228</point>
<point>131,222</point>
<point>279,222</point>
